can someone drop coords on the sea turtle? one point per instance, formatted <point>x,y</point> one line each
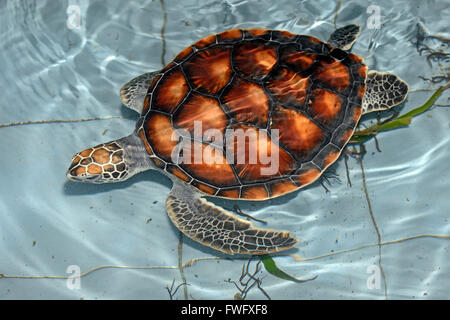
<point>229,97</point>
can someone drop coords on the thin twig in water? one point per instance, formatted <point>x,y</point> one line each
<point>377,145</point>
<point>163,30</point>
<point>245,285</point>
<point>326,178</point>
<point>347,171</point>
<point>369,204</point>
<point>436,79</point>
<point>170,290</point>
<point>238,211</point>
<point>180,263</point>
<point>323,186</point>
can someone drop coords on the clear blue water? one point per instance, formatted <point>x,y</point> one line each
<point>51,71</point>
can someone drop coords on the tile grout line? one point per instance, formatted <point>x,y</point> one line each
<point>180,237</point>
<point>366,192</point>
<point>21,123</point>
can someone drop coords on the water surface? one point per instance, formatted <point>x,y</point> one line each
<point>53,69</point>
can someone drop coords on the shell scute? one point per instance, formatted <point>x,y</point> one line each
<point>254,59</point>
<point>183,54</point>
<point>208,165</point>
<point>283,36</point>
<point>333,74</point>
<point>247,102</point>
<point>176,171</point>
<point>205,110</point>
<point>278,188</point>
<point>257,33</point>
<point>205,188</point>
<point>312,44</point>
<point>255,156</point>
<point>297,132</point>
<point>207,41</point>
<point>146,144</point>
<point>325,105</point>
<point>209,70</point>
<point>307,174</point>
<point>229,36</point>
<point>297,60</point>
<point>326,156</point>
<point>159,131</point>
<point>288,87</point>
<point>255,193</point>
<point>232,193</point>
<point>171,90</point>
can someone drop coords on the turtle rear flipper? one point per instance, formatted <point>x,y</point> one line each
<point>383,91</point>
<point>344,37</point>
<point>217,228</point>
<point>134,91</point>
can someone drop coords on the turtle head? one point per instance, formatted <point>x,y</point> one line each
<point>100,164</point>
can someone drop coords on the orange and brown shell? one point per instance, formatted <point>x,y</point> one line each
<point>262,80</point>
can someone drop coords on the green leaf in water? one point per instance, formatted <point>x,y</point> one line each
<point>402,121</point>
<point>272,268</point>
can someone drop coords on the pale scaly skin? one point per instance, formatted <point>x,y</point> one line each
<point>113,161</point>
<point>99,164</point>
<point>196,217</point>
<point>345,37</point>
<point>383,91</point>
<point>215,227</point>
<point>133,92</point>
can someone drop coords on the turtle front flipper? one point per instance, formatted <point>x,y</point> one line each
<point>345,37</point>
<point>383,91</point>
<point>113,161</point>
<point>133,92</point>
<point>217,228</point>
